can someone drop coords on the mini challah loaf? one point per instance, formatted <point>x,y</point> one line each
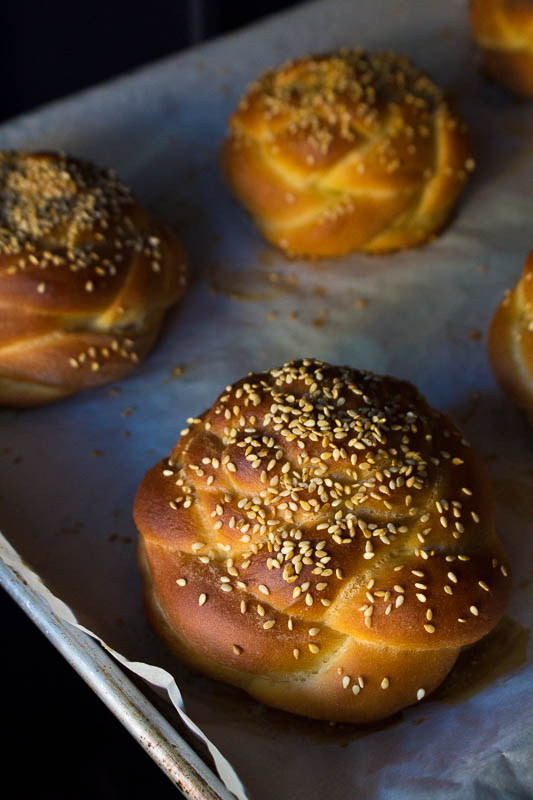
<point>323,539</point>
<point>349,151</point>
<point>510,342</point>
<point>85,277</point>
<point>503,29</point>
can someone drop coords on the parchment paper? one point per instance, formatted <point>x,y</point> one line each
<point>70,471</point>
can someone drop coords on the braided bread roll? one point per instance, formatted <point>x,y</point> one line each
<point>343,152</point>
<point>503,29</point>
<point>85,277</point>
<point>510,341</point>
<point>323,539</point>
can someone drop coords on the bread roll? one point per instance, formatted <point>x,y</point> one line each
<point>348,151</point>
<point>85,277</point>
<point>510,342</point>
<point>503,29</point>
<point>323,539</point>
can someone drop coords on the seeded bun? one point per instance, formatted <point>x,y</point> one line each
<point>323,539</point>
<point>503,29</point>
<point>510,342</point>
<point>348,151</point>
<point>85,277</point>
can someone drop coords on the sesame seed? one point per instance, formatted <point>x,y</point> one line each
<point>385,683</point>
<point>263,589</point>
<point>421,693</point>
<point>202,599</point>
<point>181,582</point>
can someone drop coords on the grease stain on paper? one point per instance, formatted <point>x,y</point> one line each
<point>252,284</point>
<point>481,665</point>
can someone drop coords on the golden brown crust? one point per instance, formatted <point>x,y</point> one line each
<point>317,523</point>
<point>347,151</point>
<point>510,342</point>
<point>503,29</point>
<point>85,277</point>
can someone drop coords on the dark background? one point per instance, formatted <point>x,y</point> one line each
<point>61,741</point>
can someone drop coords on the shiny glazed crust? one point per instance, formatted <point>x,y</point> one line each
<point>503,29</point>
<point>348,151</point>
<point>510,342</point>
<point>85,277</point>
<point>323,539</point>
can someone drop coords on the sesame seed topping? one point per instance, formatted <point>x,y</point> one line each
<point>202,599</point>
<point>338,453</point>
<point>421,693</point>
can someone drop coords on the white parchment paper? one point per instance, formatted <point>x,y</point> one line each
<point>70,471</point>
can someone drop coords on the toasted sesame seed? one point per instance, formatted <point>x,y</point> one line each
<point>385,683</point>
<point>181,582</point>
<point>202,599</point>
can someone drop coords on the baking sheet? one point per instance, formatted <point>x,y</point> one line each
<point>70,471</point>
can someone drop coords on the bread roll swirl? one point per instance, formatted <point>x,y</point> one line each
<point>323,539</point>
<point>347,151</point>
<point>85,277</point>
<point>510,341</point>
<point>503,29</point>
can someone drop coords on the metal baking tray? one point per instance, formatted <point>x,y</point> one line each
<point>161,128</point>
